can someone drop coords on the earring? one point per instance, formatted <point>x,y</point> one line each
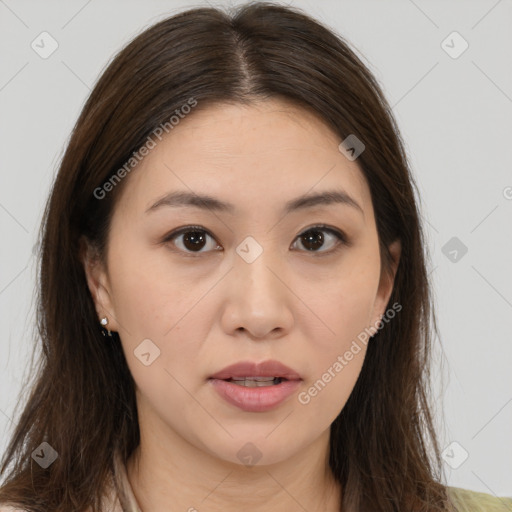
<point>104,322</point>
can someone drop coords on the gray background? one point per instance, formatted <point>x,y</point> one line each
<point>454,114</point>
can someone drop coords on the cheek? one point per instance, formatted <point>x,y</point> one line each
<point>344,301</point>
<point>338,351</point>
<point>171,316</point>
<point>161,321</point>
<point>150,296</point>
<point>345,305</point>
<point>161,336</point>
<point>324,397</point>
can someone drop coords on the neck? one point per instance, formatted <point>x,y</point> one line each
<point>193,480</point>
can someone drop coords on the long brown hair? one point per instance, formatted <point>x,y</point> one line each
<point>383,446</point>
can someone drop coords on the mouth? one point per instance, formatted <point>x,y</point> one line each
<point>256,382</point>
<point>256,387</point>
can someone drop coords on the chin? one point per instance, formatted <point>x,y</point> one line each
<point>257,449</point>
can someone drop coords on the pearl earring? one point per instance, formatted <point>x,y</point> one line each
<point>104,322</point>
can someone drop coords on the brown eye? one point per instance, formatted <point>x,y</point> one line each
<point>192,240</point>
<point>317,237</point>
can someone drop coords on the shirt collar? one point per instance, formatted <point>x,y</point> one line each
<point>123,487</point>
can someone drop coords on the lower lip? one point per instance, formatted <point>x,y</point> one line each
<point>259,399</point>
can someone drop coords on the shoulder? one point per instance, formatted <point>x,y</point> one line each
<point>465,500</point>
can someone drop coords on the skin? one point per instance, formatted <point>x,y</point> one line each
<point>209,310</point>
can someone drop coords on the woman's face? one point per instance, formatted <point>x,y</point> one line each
<point>250,282</point>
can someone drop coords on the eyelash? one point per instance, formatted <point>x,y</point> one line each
<point>342,239</point>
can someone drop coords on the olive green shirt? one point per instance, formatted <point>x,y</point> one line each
<point>472,501</point>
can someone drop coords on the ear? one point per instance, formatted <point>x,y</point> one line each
<point>98,283</point>
<point>386,283</point>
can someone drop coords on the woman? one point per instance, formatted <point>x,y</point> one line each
<point>234,304</point>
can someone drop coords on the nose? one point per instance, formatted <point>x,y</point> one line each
<point>258,300</point>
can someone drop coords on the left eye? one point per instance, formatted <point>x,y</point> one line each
<point>314,237</point>
<point>194,239</point>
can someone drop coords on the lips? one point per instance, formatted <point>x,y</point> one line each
<point>256,387</point>
<point>250,369</point>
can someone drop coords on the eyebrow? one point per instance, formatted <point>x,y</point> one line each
<point>206,202</point>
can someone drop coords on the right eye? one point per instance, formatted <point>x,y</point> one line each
<point>191,239</point>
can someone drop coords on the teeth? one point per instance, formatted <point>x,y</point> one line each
<point>254,378</point>
<point>256,382</point>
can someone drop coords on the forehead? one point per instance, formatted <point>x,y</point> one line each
<point>267,152</point>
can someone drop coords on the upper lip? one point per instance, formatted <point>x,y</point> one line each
<point>270,368</point>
